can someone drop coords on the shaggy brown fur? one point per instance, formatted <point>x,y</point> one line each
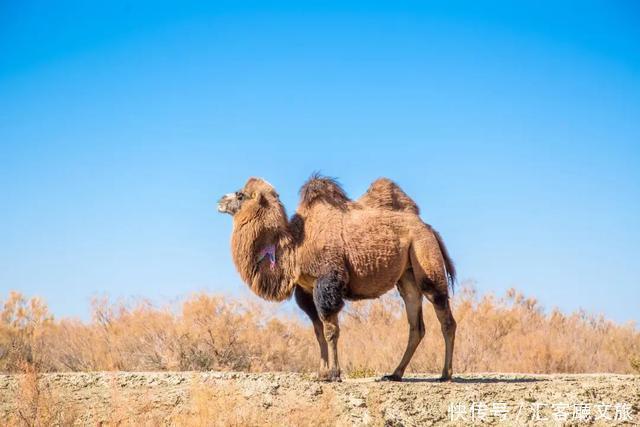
<point>262,221</point>
<point>335,249</point>
<point>385,194</point>
<point>323,189</point>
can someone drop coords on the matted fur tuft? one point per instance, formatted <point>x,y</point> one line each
<point>386,194</point>
<point>323,189</point>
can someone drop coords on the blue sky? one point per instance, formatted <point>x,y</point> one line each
<point>514,125</point>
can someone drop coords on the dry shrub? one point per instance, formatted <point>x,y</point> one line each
<point>206,333</point>
<point>223,334</point>
<point>508,334</point>
<point>517,335</point>
<point>37,404</point>
<point>24,328</point>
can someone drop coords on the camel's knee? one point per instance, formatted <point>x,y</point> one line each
<point>417,331</point>
<point>446,319</point>
<point>328,295</point>
<point>449,326</point>
<point>421,329</point>
<point>417,328</point>
<point>443,311</point>
<point>331,332</point>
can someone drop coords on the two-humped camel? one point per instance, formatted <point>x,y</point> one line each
<point>335,249</point>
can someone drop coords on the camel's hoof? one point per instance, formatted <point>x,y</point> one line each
<point>329,376</point>
<point>392,377</point>
<point>444,379</point>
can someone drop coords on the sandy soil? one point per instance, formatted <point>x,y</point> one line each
<point>283,399</point>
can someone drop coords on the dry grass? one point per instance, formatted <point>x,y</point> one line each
<point>508,334</point>
<point>214,405</point>
<point>38,403</point>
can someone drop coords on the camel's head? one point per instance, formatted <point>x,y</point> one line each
<point>255,194</point>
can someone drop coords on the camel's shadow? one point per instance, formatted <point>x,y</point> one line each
<point>470,380</point>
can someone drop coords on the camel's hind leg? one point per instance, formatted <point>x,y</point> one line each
<point>412,297</point>
<point>448,327</point>
<point>430,275</point>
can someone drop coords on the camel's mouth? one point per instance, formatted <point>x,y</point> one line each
<point>229,203</point>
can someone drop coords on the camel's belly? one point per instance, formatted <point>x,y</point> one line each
<point>376,281</point>
<point>371,280</point>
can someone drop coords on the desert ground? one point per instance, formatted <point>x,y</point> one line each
<point>212,360</point>
<point>234,398</point>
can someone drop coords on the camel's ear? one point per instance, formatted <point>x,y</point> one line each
<point>259,197</point>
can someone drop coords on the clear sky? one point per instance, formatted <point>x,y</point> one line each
<point>514,125</point>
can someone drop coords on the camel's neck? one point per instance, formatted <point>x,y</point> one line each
<point>262,252</point>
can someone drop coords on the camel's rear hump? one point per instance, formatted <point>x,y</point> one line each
<point>383,193</point>
<point>386,194</point>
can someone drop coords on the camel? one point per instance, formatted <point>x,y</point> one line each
<point>335,249</point>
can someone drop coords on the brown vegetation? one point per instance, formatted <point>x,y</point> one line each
<point>508,334</point>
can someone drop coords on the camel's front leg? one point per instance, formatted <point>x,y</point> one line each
<point>331,334</point>
<point>305,302</point>
<point>328,295</point>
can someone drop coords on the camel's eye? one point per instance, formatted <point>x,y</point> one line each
<point>240,195</point>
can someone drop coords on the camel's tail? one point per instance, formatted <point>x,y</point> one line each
<point>448,263</point>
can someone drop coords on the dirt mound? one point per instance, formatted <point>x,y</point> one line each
<point>216,398</point>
